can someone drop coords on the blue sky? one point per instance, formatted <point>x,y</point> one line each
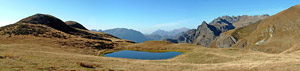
<point>142,15</point>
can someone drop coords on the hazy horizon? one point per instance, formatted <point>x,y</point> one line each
<point>146,16</point>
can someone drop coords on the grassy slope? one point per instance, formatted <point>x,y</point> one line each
<point>274,34</point>
<point>244,31</point>
<point>79,39</point>
<point>30,54</point>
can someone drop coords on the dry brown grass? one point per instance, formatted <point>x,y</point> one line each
<point>46,55</point>
<point>81,39</point>
<point>10,56</point>
<point>244,31</point>
<point>278,32</point>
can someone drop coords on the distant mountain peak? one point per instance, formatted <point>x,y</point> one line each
<point>183,28</point>
<point>161,30</point>
<point>204,23</point>
<point>173,32</point>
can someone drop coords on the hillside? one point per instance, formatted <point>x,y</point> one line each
<point>274,34</point>
<point>205,34</point>
<point>49,21</point>
<point>75,25</point>
<point>47,26</point>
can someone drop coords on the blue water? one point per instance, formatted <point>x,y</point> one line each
<point>142,55</point>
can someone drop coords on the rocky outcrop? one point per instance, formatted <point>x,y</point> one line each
<point>187,37</point>
<point>205,34</point>
<point>75,25</point>
<point>224,40</point>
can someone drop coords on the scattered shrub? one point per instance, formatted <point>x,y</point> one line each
<point>87,65</point>
<point>10,56</point>
<point>2,57</point>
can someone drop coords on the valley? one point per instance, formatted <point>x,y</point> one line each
<point>43,42</point>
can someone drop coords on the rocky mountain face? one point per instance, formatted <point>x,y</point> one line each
<point>225,40</point>
<point>275,34</point>
<point>205,34</point>
<point>129,34</point>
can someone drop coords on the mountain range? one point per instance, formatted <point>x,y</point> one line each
<point>204,35</point>
<point>129,34</point>
<point>139,37</point>
<point>170,33</point>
